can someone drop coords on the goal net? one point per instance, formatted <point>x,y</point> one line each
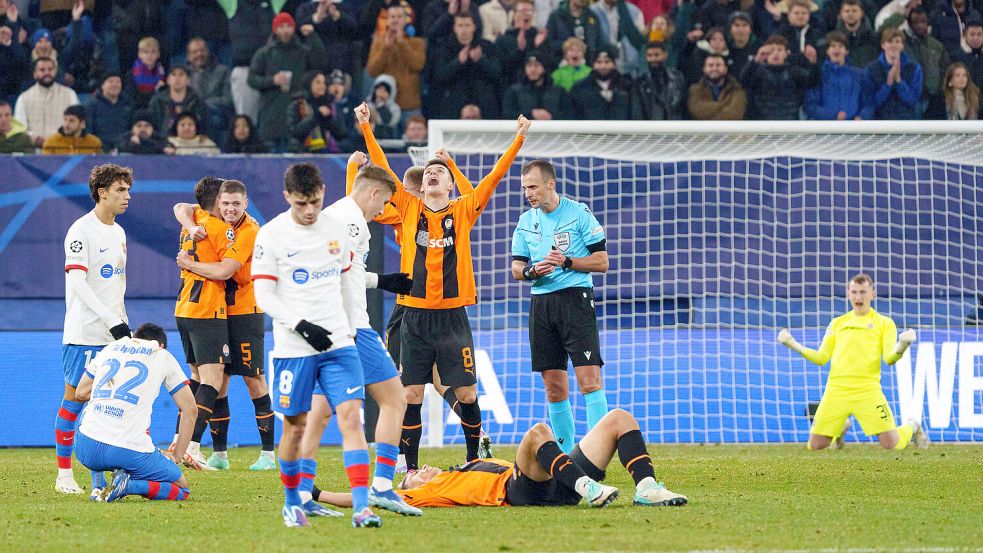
<point>719,235</point>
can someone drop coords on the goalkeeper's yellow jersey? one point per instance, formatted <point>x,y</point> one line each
<point>856,346</point>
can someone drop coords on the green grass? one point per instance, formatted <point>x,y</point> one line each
<point>756,497</point>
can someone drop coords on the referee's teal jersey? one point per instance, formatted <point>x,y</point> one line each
<point>572,228</point>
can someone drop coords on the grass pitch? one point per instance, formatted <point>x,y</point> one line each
<point>741,498</point>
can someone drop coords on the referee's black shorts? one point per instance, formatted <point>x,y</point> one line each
<point>562,324</point>
<point>441,336</point>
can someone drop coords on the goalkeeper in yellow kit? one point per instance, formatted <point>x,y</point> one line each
<point>856,343</point>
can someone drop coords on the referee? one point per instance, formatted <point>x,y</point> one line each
<point>556,245</point>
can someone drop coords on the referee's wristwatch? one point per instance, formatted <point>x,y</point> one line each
<point>567,262</point>
<point>529,272</point>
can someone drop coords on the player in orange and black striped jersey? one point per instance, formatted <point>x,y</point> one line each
<point>542,475</point>
<point>245,324</point>
<point>436,253</point>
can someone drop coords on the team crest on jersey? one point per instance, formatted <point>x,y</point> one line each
<point>448,223</point>
<point>285,402</point>
<point>225,350</point>
<point>258,252</point>
<point>562,240</point>
<point>353,230</point>
<point>76,246</point>
<point>230,234</point>
<point>334,248</point>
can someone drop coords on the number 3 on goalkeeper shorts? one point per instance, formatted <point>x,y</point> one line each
<point>286,382</point>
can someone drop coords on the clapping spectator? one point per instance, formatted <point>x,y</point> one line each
<point>895,80</point>
<point>573,68</point>
<point>146,76</point>
<point>536,96</point>
<point>337,29</point>
<point>840,94</point>
<point>603,95</point>
<point>42,106</point>
<point>622,25</point>
<point>242,138</point>
<point>574,19</point>
<point>962,96</point>
<point>187,139</point>
<point>776,81</point>
<point>717,96</point>
<point>311,119</point>
<point>109,111</point>
<point>71,137</point>
<point>142,138</point>
<point>13,133</point>
<point>860,35</point>
<point>209,80</point>
<point>522,37</point>
<point>383,100</point>
<point>658,94</point>
<point>175,99</point>
<point>465,71</point>
<point>401,56</point>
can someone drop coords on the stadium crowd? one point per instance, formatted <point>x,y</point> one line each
<point>254,76</point>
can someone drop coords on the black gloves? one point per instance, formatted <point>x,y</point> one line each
<point>397,283</point>
<point>316,336</point>
<point>529,272</point>
<point>121,330</point>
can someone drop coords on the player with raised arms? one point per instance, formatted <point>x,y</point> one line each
<point>436,253</point>
<point>857,342</point>
<point>245,321</point>
<point>557,244</point>
<point>369,195</point>
<point>95,283</point>
<point>301,273</point>
<point>542,474</point>
<point>121,386</point>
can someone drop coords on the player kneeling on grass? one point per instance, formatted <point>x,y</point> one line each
<point>121,385</point>
<point>856,343</point>
<point>542,475</point>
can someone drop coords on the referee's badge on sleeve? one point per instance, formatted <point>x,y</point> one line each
<point>562,241</point>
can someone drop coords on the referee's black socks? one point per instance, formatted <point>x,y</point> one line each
<point>634,456</point>
<point>409,443</point>
<point>471,425</point>
<point>205,398</point>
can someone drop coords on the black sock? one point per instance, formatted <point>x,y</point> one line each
<point>316,493</point>
<point>634,456</point>
<point>264,420</point>
<point>193,386</point>
<point>205,398</point>
<point>559,465</point>
<point>451,400</point>
<point>471,425</point>
<point>409,443</point>
<point>220,424</point>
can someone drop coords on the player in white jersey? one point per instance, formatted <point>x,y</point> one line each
<point>301,265</point>
<point>121,386</point>
<point>372,188</point>
<point>95,282</point>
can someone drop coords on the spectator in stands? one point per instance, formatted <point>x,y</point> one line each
<point>691,64</point>
<point>206,20</point>
<point>416,131</point>
<point>210,82</point>
<point>276,71</point>
<point>741,44</point>
<point>134,21</point>
<point>768,16</point>
<point>929,53</point>
<point>109,112</point>
<point>536,96</point>
<point>383,99</point>
<point>895,14</point>
<point>147,75</point>
<point>470,112</point>
<point>861,39</point>
<point>573,18</point>
<point>142,138</point>
<point>20,26</point>
<point>344,104</point>
<point>402,57</point>
<point>716,13</point>
<point>13,64</point>
<point>972,53</point>
<point>840,94</point>
<point>717,96</point>
<point>544,9</point>
<point>242,138</point>
<point>829,14</point>
<point>175,99</point>
<point>495,16</point>
<point>42,106</point>
<point>662,29</point>
<point>13,133</point>
<point>654,8</point>
<point>658,94</point>
<point>337,29</point>
<point>77,48</point>
<point>252,22</point>
<point>621,24</point>
<point>187,138</point>
<point>948,23</point>
<point>961,95</point>
<point>573,68</point>
<point>776,81</point>
<point>894,79</point>
<point>797,30</point>
<point>465,71</point>
<point>603,95</point>
<point>522,37</point>
<point>436,21</point>
<point>71,137</point>
<point>311,120</point>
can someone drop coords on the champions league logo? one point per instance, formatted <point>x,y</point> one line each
<point>76,246</point>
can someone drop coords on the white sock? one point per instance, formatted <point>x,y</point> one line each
<point>401,461</point>
<point>268,454</point>
<point>194,447</point>
<point>66,473</point>
<point>174,441</point>
<point>581,486</point>
<point>382,484</point>
<point>222,455</point>
<point>305,497</point>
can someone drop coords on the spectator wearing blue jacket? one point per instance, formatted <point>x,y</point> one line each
<point>109,111</point>
<point>895,80</point>
<point>840,94</point>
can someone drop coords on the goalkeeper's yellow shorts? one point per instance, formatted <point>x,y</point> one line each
<point>869,407</point>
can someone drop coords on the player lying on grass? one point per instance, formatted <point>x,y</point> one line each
<point>856,342</point>
<point>121,385</point>
<point>542,475</point>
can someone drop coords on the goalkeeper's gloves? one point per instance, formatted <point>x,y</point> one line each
<point>785,338</point>
<point>905,339</point>
<point>121,330</point>
<point>397,283</point>
<point>316,336</point>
